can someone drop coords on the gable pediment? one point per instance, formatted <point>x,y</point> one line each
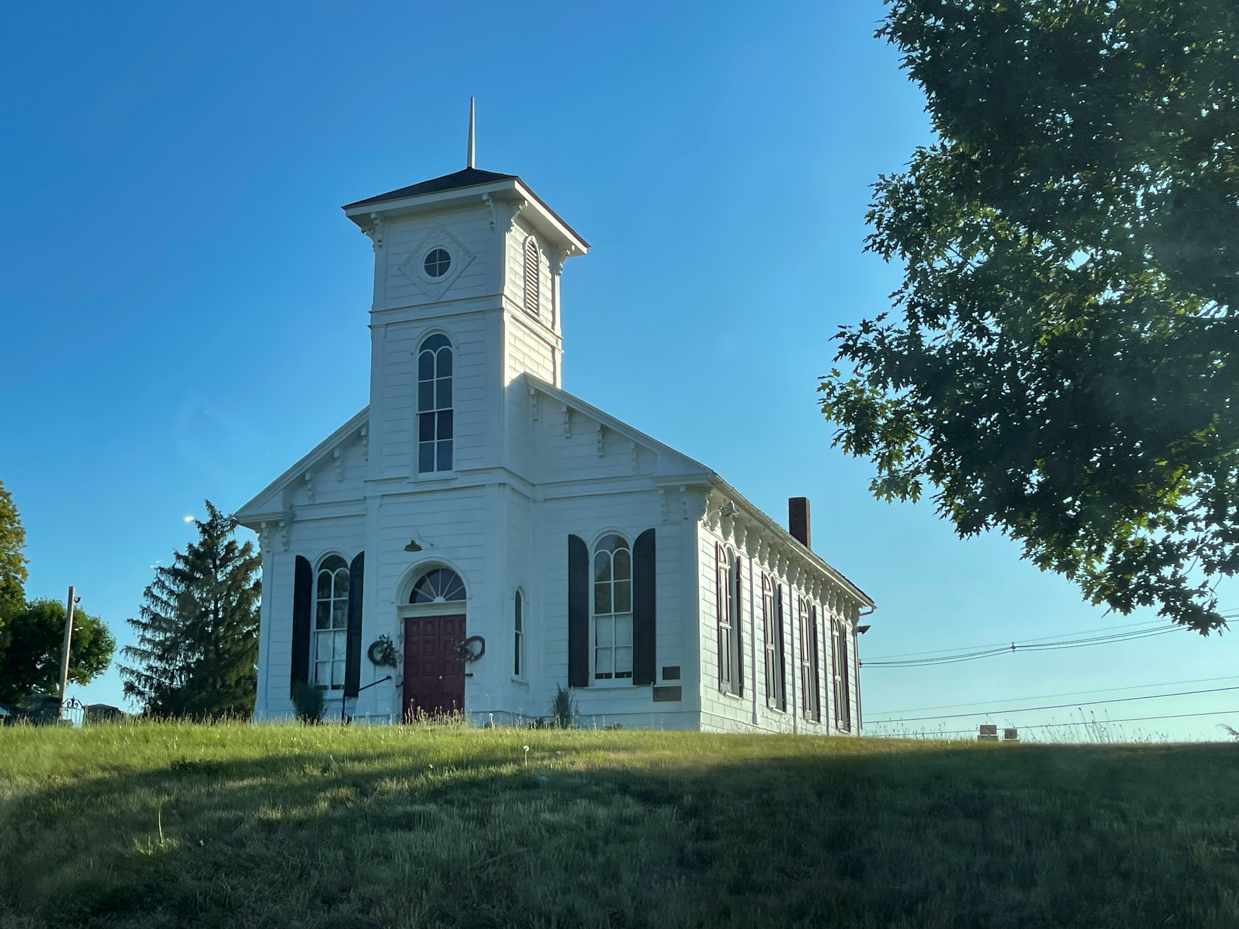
<point>593,434</point>
<point>326,458</point>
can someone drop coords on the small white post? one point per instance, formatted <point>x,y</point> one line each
<point>64,657</point>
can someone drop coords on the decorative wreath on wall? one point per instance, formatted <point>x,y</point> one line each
<point>471,649</point>
<point>382,652</point>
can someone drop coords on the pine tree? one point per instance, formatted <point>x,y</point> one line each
<point>197,649</point>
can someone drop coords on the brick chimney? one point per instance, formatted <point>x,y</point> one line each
<point>798,519</point>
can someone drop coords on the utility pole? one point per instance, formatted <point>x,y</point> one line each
<point>64,658</point>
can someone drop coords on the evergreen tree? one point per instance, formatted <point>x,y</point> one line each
<point>197,649</point>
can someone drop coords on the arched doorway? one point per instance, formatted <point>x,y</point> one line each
<point>434,627</point>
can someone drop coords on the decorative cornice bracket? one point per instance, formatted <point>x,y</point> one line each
<point>376,231</point>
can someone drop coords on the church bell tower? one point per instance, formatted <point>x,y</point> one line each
<point>466,302</point>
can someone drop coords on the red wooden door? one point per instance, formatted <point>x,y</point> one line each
<point>434,677</point>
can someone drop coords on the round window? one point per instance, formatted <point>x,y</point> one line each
<point>437,262</point>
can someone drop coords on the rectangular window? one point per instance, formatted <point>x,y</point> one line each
<point>772,622</point>
<point>613,647</point>
<point>806,620</point>
<point>843,697</point>
<point>425,442</point>
<point>729,650</point>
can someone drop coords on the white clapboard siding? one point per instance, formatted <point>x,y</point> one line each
<point>479,278</point>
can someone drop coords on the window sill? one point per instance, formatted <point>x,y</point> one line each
<point>434,477</point>
<point>623,684</point>
<point>519,680</point>
<point>728,693</point>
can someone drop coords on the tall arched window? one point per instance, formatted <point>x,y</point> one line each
<point>518,626</point>
<point>533,277</point>
<point>330,623</point>
<point>434,405</point>
<point>612,609</point>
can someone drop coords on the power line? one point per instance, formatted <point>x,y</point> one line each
<point>1007,644</point>
<point>1024,647</point>
<point>1070,693</point>
<point>1060,706</point>
<point>1107,722</point>
<point>998,647</point>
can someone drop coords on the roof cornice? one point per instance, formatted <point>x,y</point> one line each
<point>786,544</point>
<point>509,188</point>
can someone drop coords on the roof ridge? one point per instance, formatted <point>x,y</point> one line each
<point>467,177</point>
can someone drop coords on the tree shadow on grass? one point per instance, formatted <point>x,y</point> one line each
<point>604,834</point>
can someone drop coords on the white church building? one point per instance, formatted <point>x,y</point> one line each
<point>477,536</point>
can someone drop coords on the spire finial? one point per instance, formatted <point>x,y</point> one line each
<point>469,158</point>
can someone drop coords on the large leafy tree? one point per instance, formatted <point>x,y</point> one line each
<point>12,562</point>
<point>197,648</point>
<point>1060,363</point>
<point>31,661</point>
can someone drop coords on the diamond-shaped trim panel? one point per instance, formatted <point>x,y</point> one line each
<point>414,269</point>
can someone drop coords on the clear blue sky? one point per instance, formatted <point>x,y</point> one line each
<point>174,256</point>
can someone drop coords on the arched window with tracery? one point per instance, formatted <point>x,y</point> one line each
<point>438,585</point>
<point>434,405</point>
<point>533,277</point>
<point>612,608</point>
<point>330,623</point>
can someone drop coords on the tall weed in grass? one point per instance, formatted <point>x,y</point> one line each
<point>167,824</point>
<point>1081,727</point>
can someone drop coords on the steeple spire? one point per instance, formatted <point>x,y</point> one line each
<point>469,158</point>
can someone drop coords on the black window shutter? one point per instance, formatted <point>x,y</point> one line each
<point>778,613</point>
<point>817,676</point>
<point>720,591</point>
<point>303,597</point>
<point>352,664</point>
<point>644,567</point>
<point>578,612</point>
<point>737,637</point>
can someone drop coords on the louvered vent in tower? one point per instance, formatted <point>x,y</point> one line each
<point>532,276</point>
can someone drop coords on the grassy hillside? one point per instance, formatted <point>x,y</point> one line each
<point>176,825</point>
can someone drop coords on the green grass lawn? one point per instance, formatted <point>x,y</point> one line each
<point>176,825</point>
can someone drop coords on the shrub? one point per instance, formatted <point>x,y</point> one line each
<point>308,699</point>
<point>563,709</point>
